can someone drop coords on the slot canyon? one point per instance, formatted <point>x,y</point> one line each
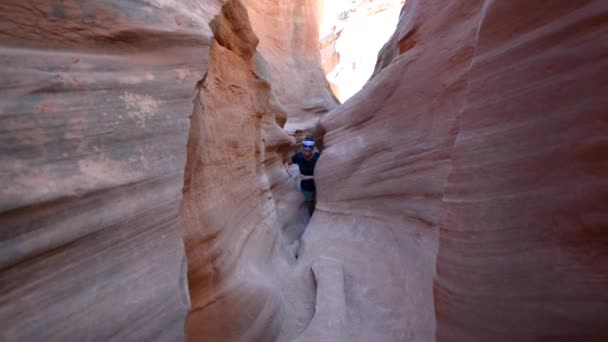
<point>462,191</point>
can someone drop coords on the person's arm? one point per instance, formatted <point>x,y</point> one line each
<point>288,163</point>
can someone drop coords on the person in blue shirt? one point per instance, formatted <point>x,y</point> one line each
<point>306,161</point>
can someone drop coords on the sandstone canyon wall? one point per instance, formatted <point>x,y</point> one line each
<point>234,185</point>
<point>523,248</point>
<point>94,123</point>
<point>381,176</point>
<point>462,192</point>
<point>289,36</point>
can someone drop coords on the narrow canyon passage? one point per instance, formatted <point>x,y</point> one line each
<point>461,192</point>
<point>380,256</point>
<point>242,216</point>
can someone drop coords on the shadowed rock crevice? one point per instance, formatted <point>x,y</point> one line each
<point>378,259</point>
<point>407,42</point>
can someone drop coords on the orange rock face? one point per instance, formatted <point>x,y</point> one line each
<point>523,245</point>
<point>94,112</point>
<point>234,183</point>
<point>462,191</point>
<point>289,40</point>
<point>94,123</point>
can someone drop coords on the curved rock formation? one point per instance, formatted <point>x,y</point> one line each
<point>94,121</point>
<point>93,118</point>
<point>463,190</point>
<point>289,40</point>
<point>234,181</point>
<point>523,245</point>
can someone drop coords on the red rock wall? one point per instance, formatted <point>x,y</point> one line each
<point>462,192</point>
<point>289,40</point>
<point>94,123</point>
<point>229,211</point>
<point>523,252</point>
<point>94,107</point>
<point>381,177</point>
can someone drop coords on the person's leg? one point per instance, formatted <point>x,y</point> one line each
<point>311,207</point>
<point>309,198</point>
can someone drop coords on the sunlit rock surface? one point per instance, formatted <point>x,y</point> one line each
<point>352,34</point>
<point>289,35</point>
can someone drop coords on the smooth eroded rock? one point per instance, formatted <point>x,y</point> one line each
<point>462,191</point>
<point>93,127</point>
<point>238,203</point>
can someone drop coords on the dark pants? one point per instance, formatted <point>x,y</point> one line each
<point>310,200</point>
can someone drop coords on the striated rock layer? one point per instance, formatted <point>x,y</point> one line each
<point>462,192</point>
<point>289,36</point>
<point>381,177</point>
<point>233,183</point>
<point>94,108</point>
<point>94,122</point>
<point>523,247</point>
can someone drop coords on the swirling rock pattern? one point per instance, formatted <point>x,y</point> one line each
<point>232,185</point>
<point>463,190</point>
<point>94,122</point>
<point>289,40</point>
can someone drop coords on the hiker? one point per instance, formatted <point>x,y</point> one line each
<point>306,160</point>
